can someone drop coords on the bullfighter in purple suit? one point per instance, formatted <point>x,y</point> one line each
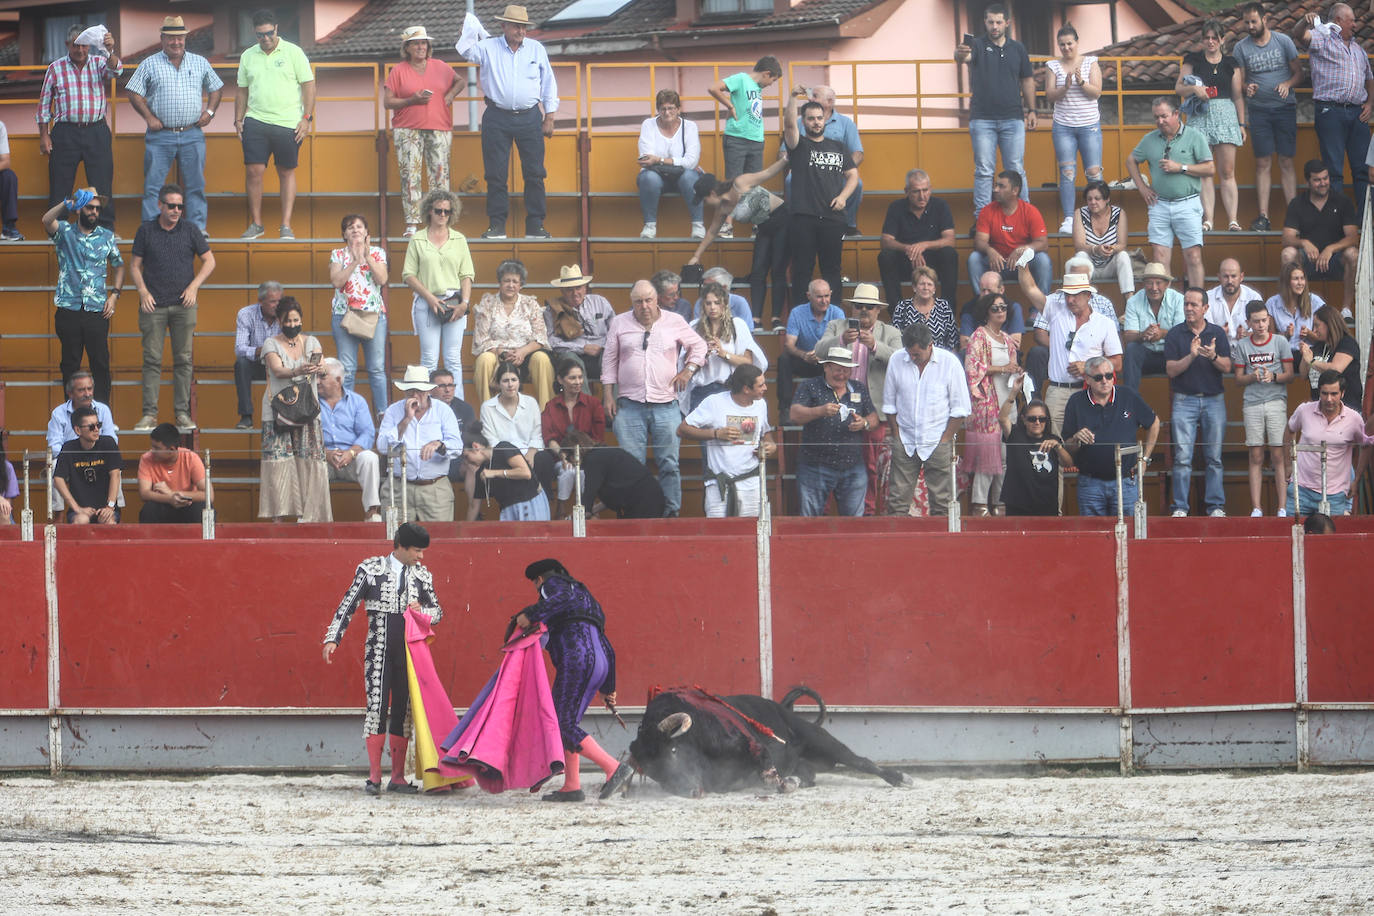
<point>585,662</point>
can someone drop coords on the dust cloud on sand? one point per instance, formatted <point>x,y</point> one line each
<point>1214,842</point>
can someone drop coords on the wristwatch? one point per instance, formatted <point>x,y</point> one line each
<point>1183,167</point>
<point>110,504</point>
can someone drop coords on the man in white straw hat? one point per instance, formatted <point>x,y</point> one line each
<point>166,91</point>
<point>430,439</point>
<point>577,320</point>
<point>519,110</point>
<point>1074,332</point>
<point>872,343</point>
<point>837,415</point>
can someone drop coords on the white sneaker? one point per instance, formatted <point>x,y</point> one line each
<point>1180,513</point>
<point>1257,513</point>
<point>1217,513</point>
<point>145,423</point>
<point>373,516</point>
<point>649,231</point>
<point>726,232</point>
<point>1282,513</point>
<point>698,230</point>
<point>1066,227</point>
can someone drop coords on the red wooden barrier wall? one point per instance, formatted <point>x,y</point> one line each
<point>971,620</point>
<point>23,628</point>
<point>1211,622</point>
<point>1340,619</point>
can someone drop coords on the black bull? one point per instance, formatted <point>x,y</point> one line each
<point>691,743</point>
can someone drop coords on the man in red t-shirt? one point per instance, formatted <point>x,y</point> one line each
<point>171,480</point>
<point>1008,230</point>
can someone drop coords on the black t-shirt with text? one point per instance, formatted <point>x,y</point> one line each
<point>818,168</point>
<point>87,473</point>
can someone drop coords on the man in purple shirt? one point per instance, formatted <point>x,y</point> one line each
<point>347,430</point>
<point>640,382</point>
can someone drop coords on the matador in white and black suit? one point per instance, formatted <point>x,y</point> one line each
<point>387,585</point>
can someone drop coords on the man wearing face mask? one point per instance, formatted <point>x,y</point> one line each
<point>85,305</point>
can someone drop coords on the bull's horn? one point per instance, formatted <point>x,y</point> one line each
<point>676,725</point>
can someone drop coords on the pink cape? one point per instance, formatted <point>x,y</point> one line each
<point>509,738</point>
<point>430,710</point>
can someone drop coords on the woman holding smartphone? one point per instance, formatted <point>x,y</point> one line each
<point>294,475</point>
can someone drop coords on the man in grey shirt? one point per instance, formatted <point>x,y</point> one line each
<point>1264,366</point>
<point>1269,71</point>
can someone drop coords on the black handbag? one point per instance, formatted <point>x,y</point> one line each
<point>671,173</point>
<point>295,405</point>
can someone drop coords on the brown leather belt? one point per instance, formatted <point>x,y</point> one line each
<point>424,481</point>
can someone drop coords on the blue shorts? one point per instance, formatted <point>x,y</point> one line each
<point>263,141</point>
<point>1273,130</point>
<point>1176,219</point>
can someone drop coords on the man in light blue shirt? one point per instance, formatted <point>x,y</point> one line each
<point>347,431</point>
<point>1150,313</point>
<point>166,90</point>
<point>842,128</point>
<point>517,81</point>
<point>80,393</point>
<point>429,438</point>
<point>805,327</point>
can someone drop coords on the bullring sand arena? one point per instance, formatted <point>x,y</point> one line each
<point>1061,843</point>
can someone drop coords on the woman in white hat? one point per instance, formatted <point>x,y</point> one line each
<point>421,92</point>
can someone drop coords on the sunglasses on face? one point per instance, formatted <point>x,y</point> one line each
<point>1036,419</point>
<point>264,35</point>
<point>438,212</point>
<point>998,308</point>
<point>173,206</point>
<point>90,426</point>
<point>93,208</point>
<point>1068,343</point>
<point>1103,376</point>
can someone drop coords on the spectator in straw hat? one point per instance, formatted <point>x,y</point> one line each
<point>430,438</point>
<point>513,113</point>
<point>871,344</point>
<point>420,91</point>
<point>837,415</point>
<point>1151,313</point>
<point>166,91</point>
<point>577,320</point>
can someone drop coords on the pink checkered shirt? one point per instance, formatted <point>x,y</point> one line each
<point>76,95</point>
<point>1339,70</point>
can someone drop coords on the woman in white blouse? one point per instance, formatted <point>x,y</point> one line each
<point>1073,84</point>
<point>669,150</point>
<point>729,344</point>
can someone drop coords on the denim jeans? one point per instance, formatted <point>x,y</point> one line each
<point>651,188</point>
<point>374,352</point>
<point>1098,497</point>
<point>1139,361</point>
<point>638,425</point>
<point>815,483</point>
<point>439,337</point>
<point>1070,143</point>
<point>1040,269</point>
<point>1310,502</point>
<point>155,325</point>
<point>988,136</point>
<point>160,148</point>
<point>1340,136</point>
<point>1195,415</point>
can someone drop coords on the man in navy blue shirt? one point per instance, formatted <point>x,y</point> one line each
<point>1197,356</point>
<point>1097,419</point>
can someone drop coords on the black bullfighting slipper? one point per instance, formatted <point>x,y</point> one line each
<point>403,788</point>
<point>372,788</point>
<point>576,795</point>
<point>618,779</point>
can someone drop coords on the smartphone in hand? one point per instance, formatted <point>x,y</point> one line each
<point>315,358</point>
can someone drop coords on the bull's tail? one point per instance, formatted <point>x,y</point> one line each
<point>797,693</point>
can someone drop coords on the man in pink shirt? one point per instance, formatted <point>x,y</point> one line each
<point>1342,429</point>
<point>640,381</point>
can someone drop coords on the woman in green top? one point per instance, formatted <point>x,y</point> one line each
<point>747,200</point>
<point>439,270</point>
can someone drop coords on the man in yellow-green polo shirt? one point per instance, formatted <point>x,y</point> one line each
<point>273,108</point>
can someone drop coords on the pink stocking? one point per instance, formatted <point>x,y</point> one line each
<point>593,752</point>
<point>572,771</point>
<point>375,743</point>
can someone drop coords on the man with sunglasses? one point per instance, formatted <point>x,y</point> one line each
<point>88,472</point>
<point>164,270</point>
<point>1179,159</point>
<point>1096,420</point>
<point>85,304</point>
<point>871,344</point>
<point>273,107</point>
<point>1197,357</point>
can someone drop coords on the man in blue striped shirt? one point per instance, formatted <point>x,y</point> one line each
<point>347,430</point>
<point>166,90</point>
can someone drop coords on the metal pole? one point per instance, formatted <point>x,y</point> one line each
<point>54,649</point>
<point>763,537</point>
<point>1324,507</point>
<point>1325,503</point>
<point>207,515</point>
<point>50,490</point>
<point>1123,650</point>
<point>26,517</point>
<point>405,511</point>
<point>1300,647</point>
<point>579,511</point>
<point>955,521</point>
<point>391,521</point>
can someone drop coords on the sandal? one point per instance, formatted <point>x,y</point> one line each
<point>1234,227</point>
<point>1207,225</point>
